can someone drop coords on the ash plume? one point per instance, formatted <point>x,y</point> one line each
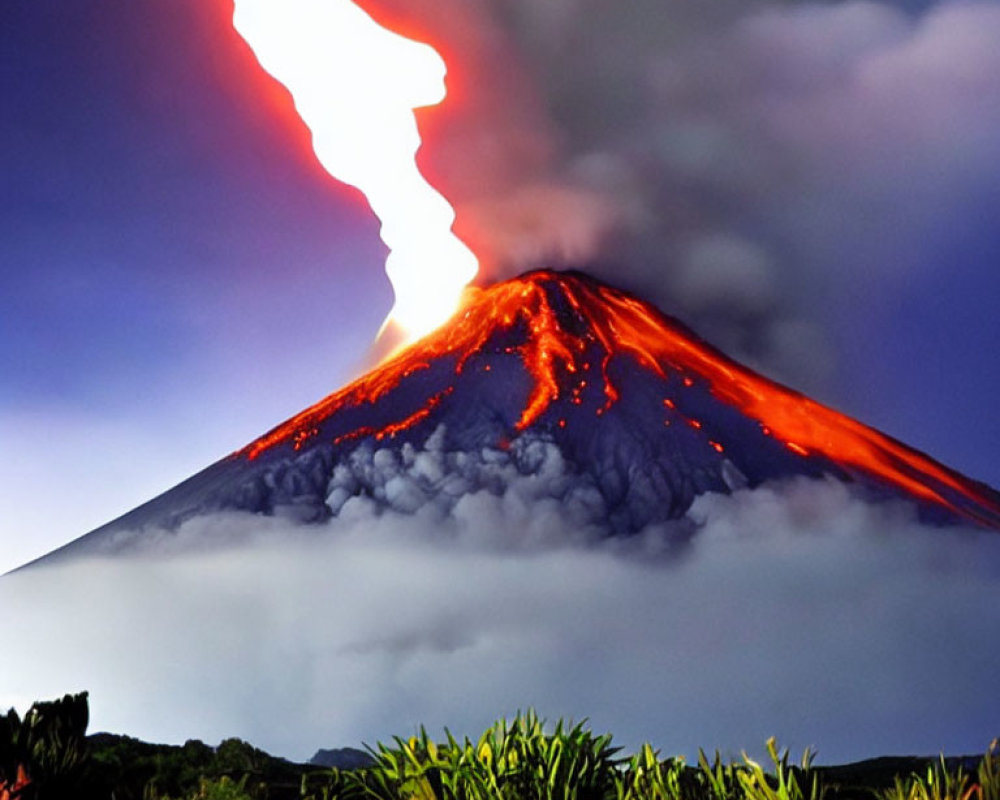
<point>743,166</point>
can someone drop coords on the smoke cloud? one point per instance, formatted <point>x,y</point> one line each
<point>796,610</point>
<point>750,168</point>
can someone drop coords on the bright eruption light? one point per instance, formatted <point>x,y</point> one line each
<point>356,84</point>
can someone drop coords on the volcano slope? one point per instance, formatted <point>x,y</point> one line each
<point>641,415</point>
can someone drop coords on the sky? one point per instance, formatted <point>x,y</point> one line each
<point>811,186</point>
<point>178,274</point>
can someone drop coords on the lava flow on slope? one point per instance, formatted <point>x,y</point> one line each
<point>581,350</point>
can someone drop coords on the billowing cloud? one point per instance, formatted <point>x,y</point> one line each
<point>796,611</point>
<point>753,169</point>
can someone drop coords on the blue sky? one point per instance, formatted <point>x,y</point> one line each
<point>177,273</point>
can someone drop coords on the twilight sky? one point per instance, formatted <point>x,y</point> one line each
<point>177,274</point>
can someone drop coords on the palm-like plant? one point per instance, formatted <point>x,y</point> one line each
<point>510,761</point>
<point>44,754</point>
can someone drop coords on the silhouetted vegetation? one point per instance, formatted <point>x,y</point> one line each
<point>136,770</point>
<point>47,755</point>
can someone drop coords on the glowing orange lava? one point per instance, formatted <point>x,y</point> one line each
<point>615,325</point>
<point>17,789</point>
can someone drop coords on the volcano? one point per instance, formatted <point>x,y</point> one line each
<point>641,415</point>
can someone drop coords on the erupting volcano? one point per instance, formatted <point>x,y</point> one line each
<point>644,415</point>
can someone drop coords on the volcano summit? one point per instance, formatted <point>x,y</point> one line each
<point>639,414</point>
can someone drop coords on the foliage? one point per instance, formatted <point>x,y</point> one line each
<point>988,773</point>
<point>519,761</point>
<point>645,776</point>
<point>135,770</point>
<point>941,782</point>
<point>44,755</point>
<point>515,759</point>
<point>224,788</point>
<point>783,785</point>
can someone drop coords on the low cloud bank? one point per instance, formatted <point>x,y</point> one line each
<point>796,611</point>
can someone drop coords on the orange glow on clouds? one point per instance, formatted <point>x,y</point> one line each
<point>356,84</point>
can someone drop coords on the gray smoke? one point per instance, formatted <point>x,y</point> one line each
<point>746,166</point>
<point>796,610</point>
<point>529,482</point>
